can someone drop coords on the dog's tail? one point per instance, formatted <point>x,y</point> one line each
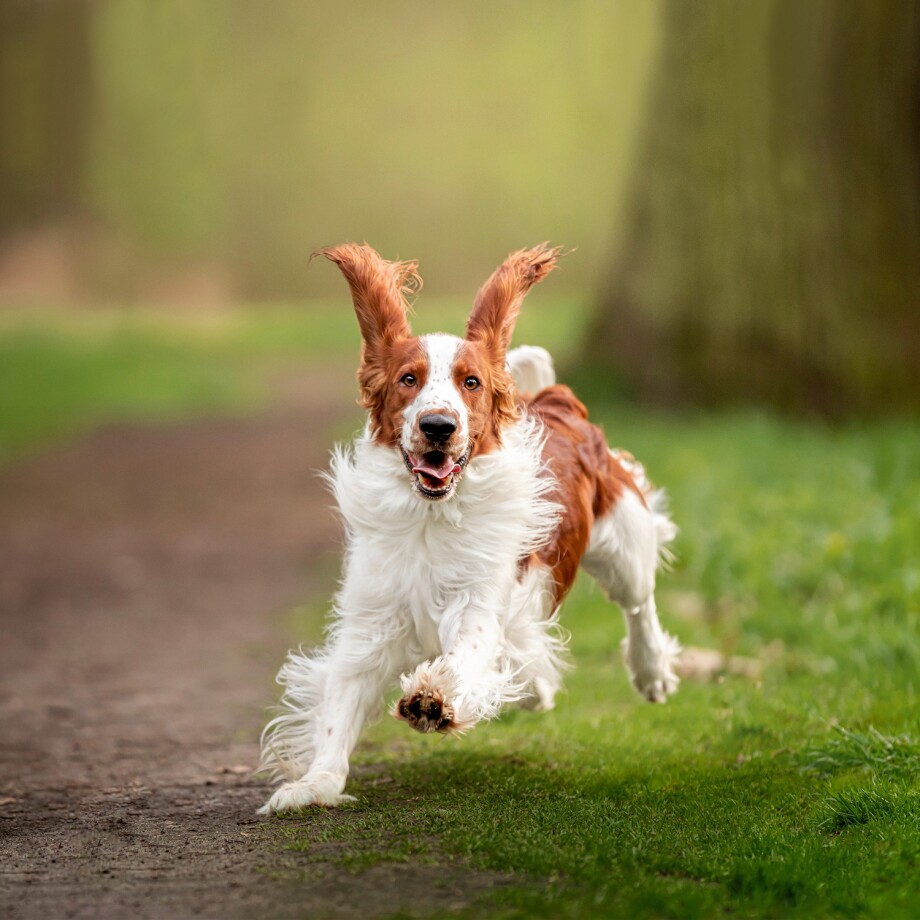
<point>532,368</point>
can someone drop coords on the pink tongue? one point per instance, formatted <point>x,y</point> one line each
<point>436,472</point>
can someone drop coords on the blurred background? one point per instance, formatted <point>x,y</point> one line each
<point>739,182</point>
<point>738,185</point>
<point>202,150</point>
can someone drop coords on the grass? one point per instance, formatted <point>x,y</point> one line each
<point>795,795</point>
<point>869,752</point>
<point>61,374</point>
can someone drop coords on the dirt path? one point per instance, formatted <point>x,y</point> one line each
<point>145,574</point>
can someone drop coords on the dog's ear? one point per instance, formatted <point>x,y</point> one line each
<point>378,289</point>
<point>498,302</point>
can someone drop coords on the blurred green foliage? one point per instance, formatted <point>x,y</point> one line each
<point>63,374</point>
<point>245,135</point>
<point>739,181</point>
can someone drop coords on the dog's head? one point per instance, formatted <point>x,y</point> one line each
<point>438,399</point>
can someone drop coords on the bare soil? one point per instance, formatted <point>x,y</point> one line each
<point>146,579</point>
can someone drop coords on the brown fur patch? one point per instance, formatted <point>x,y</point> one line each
<point>498,303</point>
<point>589,480</point>
<point>494,404</point>
<point>382,392</point>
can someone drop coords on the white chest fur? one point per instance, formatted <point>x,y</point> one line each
<point>413,562</point>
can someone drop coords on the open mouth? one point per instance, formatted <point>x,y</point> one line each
<point>436,472</point>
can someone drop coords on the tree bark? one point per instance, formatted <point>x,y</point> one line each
<point>45,98</point>
<point>773,241</point>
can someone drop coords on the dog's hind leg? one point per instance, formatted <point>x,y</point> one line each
<point>623,555</point>
<point>650,653</point>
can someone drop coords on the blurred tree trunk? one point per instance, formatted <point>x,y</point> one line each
<point>45,93</point>
<point>772,250</point>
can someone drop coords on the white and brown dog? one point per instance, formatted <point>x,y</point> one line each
<point>471,498</point>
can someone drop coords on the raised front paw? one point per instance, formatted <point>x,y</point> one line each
<point>429,699</point>
<point>426,711</point>
<point>324,789</point>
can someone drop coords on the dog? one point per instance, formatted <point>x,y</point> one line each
<point>475,491</point>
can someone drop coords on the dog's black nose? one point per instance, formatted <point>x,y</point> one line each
<point>437,426</point>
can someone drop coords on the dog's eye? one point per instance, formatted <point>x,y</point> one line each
<point>471,383</point>
<point>408,380</point>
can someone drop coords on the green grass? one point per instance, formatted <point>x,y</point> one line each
<point>61,374</point>
<point>793,796</point>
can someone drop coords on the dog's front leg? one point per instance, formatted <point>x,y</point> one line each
<point>467,682</point>
<point>348,679</point>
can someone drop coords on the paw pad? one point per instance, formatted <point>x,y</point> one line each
<point>426,712</point>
